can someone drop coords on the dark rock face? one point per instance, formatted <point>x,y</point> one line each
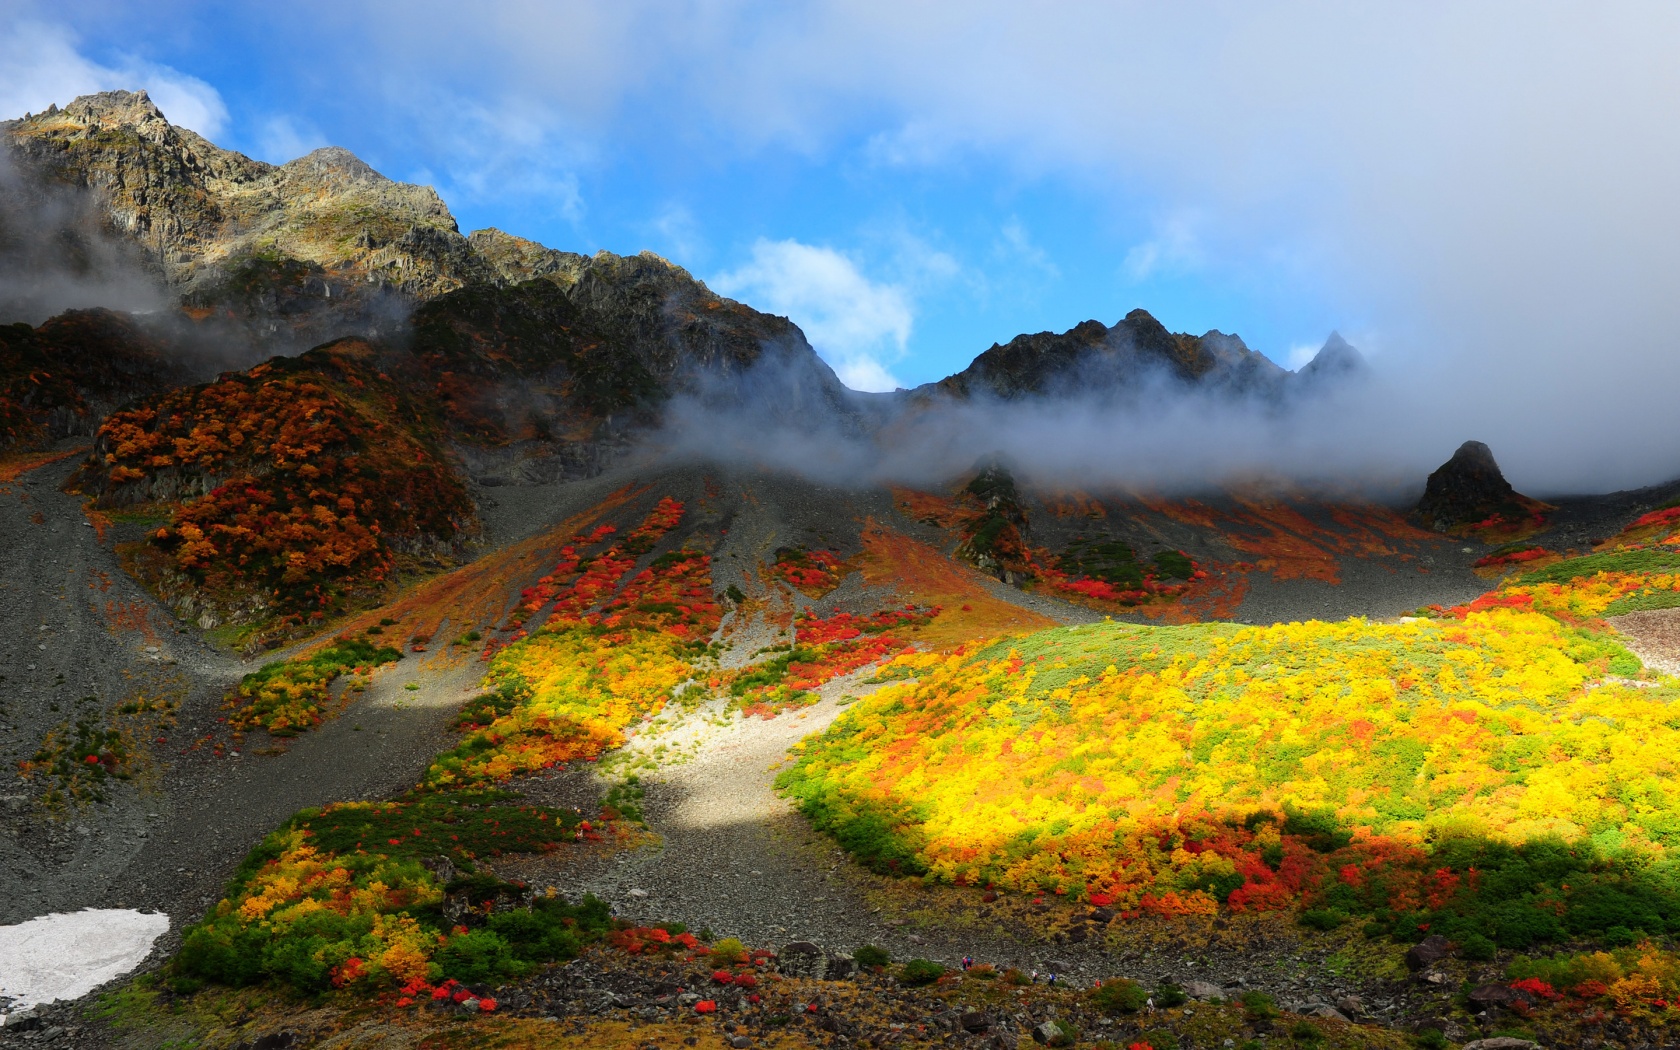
<point>1134,352</point>
<point>1136,357</point>
<point>1469,488</point>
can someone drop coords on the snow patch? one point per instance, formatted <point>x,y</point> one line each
<point>65,956</point>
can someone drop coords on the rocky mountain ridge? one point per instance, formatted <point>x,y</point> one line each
<point>1133,357</point>
<point>325,246</point>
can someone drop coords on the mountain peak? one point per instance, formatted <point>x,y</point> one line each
<point>1336,359</point>
<point>113,109</point>
<point>336,164</point>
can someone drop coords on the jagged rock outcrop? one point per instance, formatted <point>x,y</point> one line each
<point>687,337</point>
<point>1469,489</point>
<point>1093,356</point>
<point>308,250</point>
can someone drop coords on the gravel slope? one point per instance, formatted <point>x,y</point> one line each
<point>72,625</point>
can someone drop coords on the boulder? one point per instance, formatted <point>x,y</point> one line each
<point>1203,990</point>
<point>974,1022</point>
<point>804,959</point>
<point>1494,994</point>
<point>1427,952</point>
<point>1051,1033</point>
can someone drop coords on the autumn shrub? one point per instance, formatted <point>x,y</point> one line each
<point>287,696</point>
<point>347,896</point>
<point>297,483</point>
<point>727,952</point>
<point>826,648</point>
<point>1461,775</point>
<point>812,572</point>
<point>616,646</point>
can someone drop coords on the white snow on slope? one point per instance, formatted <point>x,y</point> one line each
<point>64,956</point>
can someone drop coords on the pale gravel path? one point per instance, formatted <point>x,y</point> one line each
<point>1654,637</point>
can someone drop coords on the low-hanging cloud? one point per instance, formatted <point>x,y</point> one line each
<point>1153,432</point>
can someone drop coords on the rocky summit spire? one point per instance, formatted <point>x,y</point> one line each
<point>1468,489</point>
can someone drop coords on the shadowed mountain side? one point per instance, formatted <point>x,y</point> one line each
<point>1134,358</point>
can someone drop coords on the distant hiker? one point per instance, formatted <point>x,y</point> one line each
<point>968,963</point>
<point>1035,977</point>
<point>1052,981</point>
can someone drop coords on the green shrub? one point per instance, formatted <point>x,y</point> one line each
<point>1431,1039</point>
<point>727,952</point>
<point>870,957</point>
<point>1258,1006</point>
<point>1119,995</point>
<point>1619,936</point>
<point>1305,1032</point>
<point>1319,828</point>
<point>536,935</point>
<point>1323,918</point>
<point>1475,947</point>
<point>1169,994</point>
<point>920,971</point>
<point>477,956</point>
<point>223,951</point>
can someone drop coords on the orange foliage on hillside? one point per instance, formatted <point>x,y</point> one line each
<point>922,574</point>
<point>1289,545</point>
<point>930,509</point>
<point>480,593</point>
<point>311,482</point>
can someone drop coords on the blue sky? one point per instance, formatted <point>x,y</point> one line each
<point>1478,196</point>
<point>902,252</point>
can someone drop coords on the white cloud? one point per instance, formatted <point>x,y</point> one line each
<point>1017,246</point>
<point>1300,355</point>
<point>678,235</point>
<point>282,139</point>
<point>856,324</point>
<point>40,65</point>
<point>1173,249</point>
